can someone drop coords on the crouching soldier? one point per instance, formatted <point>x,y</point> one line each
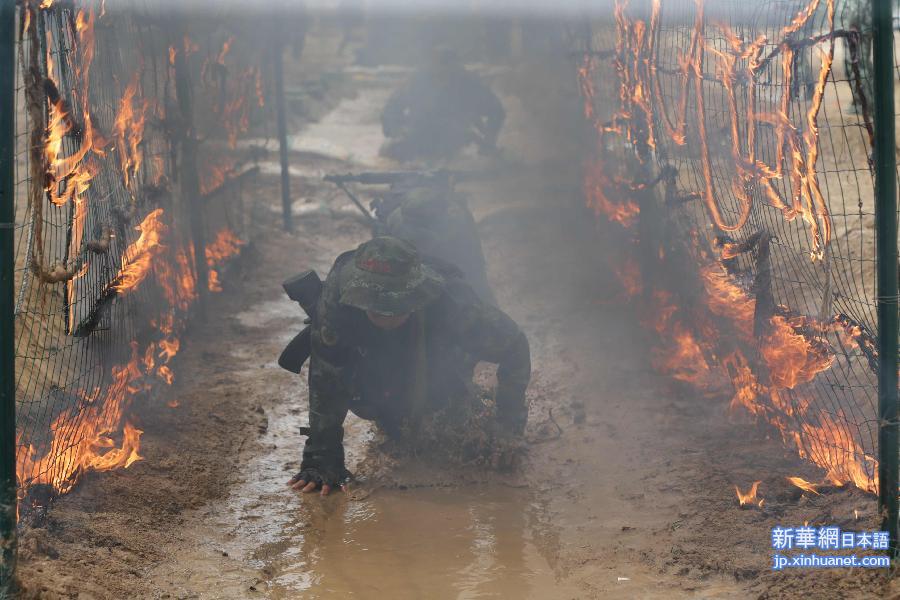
<point>391,339</point>
<point>437,221</point>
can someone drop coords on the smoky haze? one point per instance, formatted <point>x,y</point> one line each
<point>641,462</point>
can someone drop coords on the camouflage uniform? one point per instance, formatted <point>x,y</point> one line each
<point>438,222</point>
<point>392,376</point>
<point>439,111</point>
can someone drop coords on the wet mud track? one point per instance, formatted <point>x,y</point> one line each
<point>625,491</point>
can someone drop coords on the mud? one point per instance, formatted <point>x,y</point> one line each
<point>626,490</point>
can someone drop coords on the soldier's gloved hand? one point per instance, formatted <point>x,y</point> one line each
<point>310,479</point>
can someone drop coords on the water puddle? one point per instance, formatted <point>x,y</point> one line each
<point>434,539</point>
<point>436,543</point>
<point>431,540</point>
<point>461,542</point>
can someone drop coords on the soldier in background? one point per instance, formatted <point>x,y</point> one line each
<point>442,109</point>
<point>391,340</point>
<point>436,220</point>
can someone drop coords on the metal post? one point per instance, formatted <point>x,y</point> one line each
<point>190,178</point>
<point>278,67</point>
<point>886,240</point>
<point>7,300</point>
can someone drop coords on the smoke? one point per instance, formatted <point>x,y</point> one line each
<point>448,8</point>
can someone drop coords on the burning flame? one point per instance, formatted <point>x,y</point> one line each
<point>641,98</point>
<point>129,126</point>
<point>792,350</point>
<point>69,175</point>
<point>628,272</point>
<point>140,255</point>
<point>85,443</point>
<point>749,498</point>
<point>236,111</point>
<point>215,173</point>
<point>804,485</point>
<point>596,184</point>
<point>223,247</point>
<point>96,433</point>
<point>792,358</point>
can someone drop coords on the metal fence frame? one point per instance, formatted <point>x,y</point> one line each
<point>7,301</point>
<point>634,180</point>
<point>886,226</point>
<point>195,88</point>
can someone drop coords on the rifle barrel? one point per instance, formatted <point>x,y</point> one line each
<point>389,177</point>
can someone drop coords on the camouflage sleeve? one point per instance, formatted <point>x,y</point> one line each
<point>489,335</point>
<point>328,392</point>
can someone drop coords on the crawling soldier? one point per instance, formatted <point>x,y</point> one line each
<point>392,340</point>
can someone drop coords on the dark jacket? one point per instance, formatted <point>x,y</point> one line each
<point>440,112</point>
<point>357,366</point>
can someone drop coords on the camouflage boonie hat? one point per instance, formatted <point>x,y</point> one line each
<point>387,277</point>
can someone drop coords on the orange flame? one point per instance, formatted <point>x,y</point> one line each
<point>129,126</point>
<point>749,498</point>
<point>736,60</point>
<point>236,111</point>
<point>215,173</point>
<point>804,485</point>
<point>596,182</point>
<point>223,247</point>
<point>81,439</point>
<point>226,245</point>
<point>793,349</point>
<point>69,175</point>
<point>139,255</point>
<point>97,435</point>
<point>628,272</point>
<point>792,359</point>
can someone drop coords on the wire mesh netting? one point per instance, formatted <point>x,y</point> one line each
<point>738,139</point>
<point>128,172</point>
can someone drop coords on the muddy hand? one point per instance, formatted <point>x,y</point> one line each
<point>307,482</point>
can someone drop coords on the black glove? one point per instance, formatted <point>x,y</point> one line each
<point>323,458</point>
<point>334,478</point>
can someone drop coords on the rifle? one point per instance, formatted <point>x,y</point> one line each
<point>412,178</point>
<point>409,179</point>
<point>304,289</point>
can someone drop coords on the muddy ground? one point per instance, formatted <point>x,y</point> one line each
<point>631,497</point>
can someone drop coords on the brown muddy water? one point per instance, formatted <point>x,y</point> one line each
<point>429,536</point>
<point>419,542</point>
